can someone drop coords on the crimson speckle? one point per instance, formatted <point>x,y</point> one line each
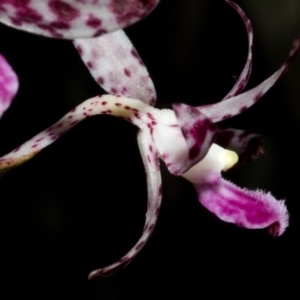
<point>90,65</point>
<point>100,80</point>
<point>17,149</point>
<point>113,90</point>
<point>63,10</point>
<point>93,22</point>
<point>127,72</point>
<point>118,104</point>
<point>127,107</point>
<point>104,103</point>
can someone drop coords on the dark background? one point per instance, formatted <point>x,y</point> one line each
<point>80,203</point>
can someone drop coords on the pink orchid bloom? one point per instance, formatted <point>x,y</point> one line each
<point>184,138</point>
<point>70,19</point>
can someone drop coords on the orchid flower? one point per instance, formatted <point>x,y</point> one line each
<point>183,137</point>
<point>70,19</point>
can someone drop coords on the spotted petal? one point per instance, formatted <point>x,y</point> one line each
<point>234,106</point>
<point>116,66</point>
<point>244,77</point>
<point>245,208</point>
<point>132,110</point>
<point>70,19</point>
<point>8,85</point>
<point>248,146</point>
<point>151,163</point>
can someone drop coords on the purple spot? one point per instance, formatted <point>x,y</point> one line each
<point>93,22</point>
<point>104,103</point>
<point>100,80</point>
<point>113,91</point>
<point>17,149</point>
<point>137,115</point>
<point>28,15</point>
<point>90,65</point>
<point>63,10</point>
<point>127,72</point>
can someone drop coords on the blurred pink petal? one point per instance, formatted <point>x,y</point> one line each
<point>70,19</point>
<point>8,85</point>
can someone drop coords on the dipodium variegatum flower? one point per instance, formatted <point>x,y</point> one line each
<point>186,139</point>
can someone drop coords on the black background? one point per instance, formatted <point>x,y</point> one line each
<point>80,203</point>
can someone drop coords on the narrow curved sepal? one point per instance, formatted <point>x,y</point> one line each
<point>236,105</point>
<point>248,146</point>
<point>151,163</point>
<point>116,66</point>
<point>244,77</point>
<point>132,110</point>
<point>9,85</point>
<point>243,207</point>
<point>70,19</point>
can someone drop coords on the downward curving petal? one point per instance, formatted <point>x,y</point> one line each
<point>236,105</point>
<point>151,163</point>
<point>245,208</point>
<point>70,19</point>
<point>244,77</point>
<point>116,66</point>
<point>8,85</point>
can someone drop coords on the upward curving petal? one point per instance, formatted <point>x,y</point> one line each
<point>8,85</point>
<point>236,105</point>
<point>151,163</point>
<point>70,19</point>
<point>244,77</point>
<point>116,66</point>
<point>245,208</point>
